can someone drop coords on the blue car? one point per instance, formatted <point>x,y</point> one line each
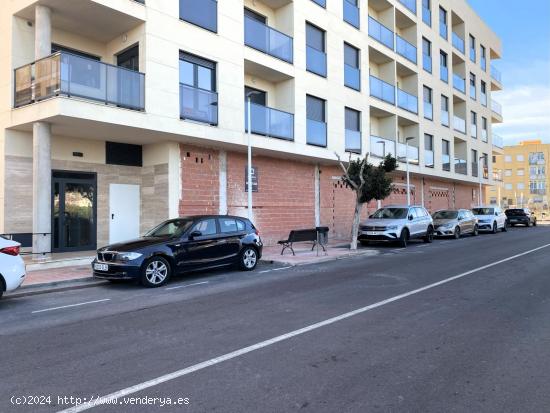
<point>179,245</point>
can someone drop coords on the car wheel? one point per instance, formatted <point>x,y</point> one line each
<point>457,234</point>
<point>248,259</point>
<point>404,238</point>
<point>505,227</point>
<point>535,223</point>
<point>429,238</point>
<point>495,228</point>
<point>475,233</point>
<point>156,272</point>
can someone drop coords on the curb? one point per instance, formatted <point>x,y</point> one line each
<point>53,287</point>
<point>323,260</point>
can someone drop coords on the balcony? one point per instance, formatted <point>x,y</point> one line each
<point>270,122</point>
<point>461,166</point>
<point>429,158</point>
<point>446,162</point>
<point>537,191</point>
<point>65,74</point>
<point>407,101</point>
<point>459,124</point>
<point>498,141</point>
<point>316,133</point>
<point>405,49</point>
<point>444,117</point>
<point>380,33</point>
<point>427,16</point>
<point>351,13</point>
<point>427,63</point>
<point>352,77</point>
<point>495,74</point>
<point>380,147</point>
<point>459,83</point>
<point>407,152</point>
<point>316,61</point>
<point>382,90</point>
<point>475,169</point>
<point>353,141</point>
<point>198,105</point>
<point>458,43</point>
<point>409,4</point>
<point>496,107</point>
<point>268,40</point>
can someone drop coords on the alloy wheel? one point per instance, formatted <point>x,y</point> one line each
<point>249,258</point>
<point>156,272</point>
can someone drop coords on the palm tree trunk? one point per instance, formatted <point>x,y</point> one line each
<point>356,222</point>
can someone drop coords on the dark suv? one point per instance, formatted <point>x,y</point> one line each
<point>178,245</point>
<point>521,216</point>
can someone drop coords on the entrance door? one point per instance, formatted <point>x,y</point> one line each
<point>124,212</point>
<point>73,211</point>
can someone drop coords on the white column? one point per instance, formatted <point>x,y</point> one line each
<point>42,32</point>
<point>223,182</point>
<point>174,179</point>
<point>42,187</point>
<point>317,190</point>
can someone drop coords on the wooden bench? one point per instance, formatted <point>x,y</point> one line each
<point>300,235</point>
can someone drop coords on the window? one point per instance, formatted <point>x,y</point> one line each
<point>427,55</point>
<point>316,133</point>
<point>443,32</point>
<point>521,185</point>
<point>444,110</point>
<point>123,154</point>
<point>484,129</point>
<point>520,158</point>
<point>351,12</point>
<point>428,150</point>
<point>472,48</point>
<point>508,172</point>
<point>428,106</point>
<point>129,59</point>
<point>483,58</point>
<point>446,155</point>
<point>203,13</point>
<point>240,225</point>
<point>475,166</point>
<point>507,158</point>
<point>198,97</point>
<point>316,58</point>
<point>227,225</point>
<point>322,3</point>
<point>353,130</point>
<point>352,74</point>
<point>443,67</point>
<point>427,12</point>
<point>473,93</point>
<point>483,93</point>
<point>508,187</point>
<point>206,227</point>
<point>521,172</point>
<point>473,128</point>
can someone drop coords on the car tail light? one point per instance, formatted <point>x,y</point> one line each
<point>10,250</point>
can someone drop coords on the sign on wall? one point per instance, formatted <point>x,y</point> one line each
<point>254,179</point>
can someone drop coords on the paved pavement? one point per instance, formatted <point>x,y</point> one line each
<point>456,326</point>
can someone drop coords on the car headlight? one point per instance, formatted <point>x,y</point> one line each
<point>392,227</point>
<point>129,256</point>
<point>448,226</point>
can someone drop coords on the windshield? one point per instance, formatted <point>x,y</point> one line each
<point>483,211</point>
<point>173,228</point>
<point>391,213</point>
<point>515,212</point>
<point>446,215</point>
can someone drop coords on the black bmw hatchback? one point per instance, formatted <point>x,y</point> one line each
<point>178,245</point>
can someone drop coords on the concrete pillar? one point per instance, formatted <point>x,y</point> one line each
<point>42,32</point>
<point>223,182</point>
<point>41,187</point>
<point>317,196</point>
<point>174,179</point>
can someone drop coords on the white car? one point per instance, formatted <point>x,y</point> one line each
<point>12,267</point>
<point>491,218</point>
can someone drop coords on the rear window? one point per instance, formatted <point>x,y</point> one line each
<point>483,211</point>
<point>515,212</point>
<point>240,225</point>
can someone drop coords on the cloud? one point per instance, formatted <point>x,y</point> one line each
<point>526,112</point>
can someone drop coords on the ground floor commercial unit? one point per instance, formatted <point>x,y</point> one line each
<point>104,192</point>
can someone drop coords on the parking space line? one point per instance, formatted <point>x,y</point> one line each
<point>245,350</point>
<point>186,285</point>
<point>70,306</point>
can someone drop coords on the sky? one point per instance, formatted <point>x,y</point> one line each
<point>524,28</point>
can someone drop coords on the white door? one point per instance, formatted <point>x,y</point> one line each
<point>124,208</point>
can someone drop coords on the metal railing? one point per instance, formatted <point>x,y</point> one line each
<point>461,166</point>
<point>353,141</point>
<point>198,104</point>
<point>407,101</point>
<point>270,122</point>
<point>381,33</point>
<point>409,152</point>
<point>69,75</point>
<point>382,90</point>
<point>268,40</point>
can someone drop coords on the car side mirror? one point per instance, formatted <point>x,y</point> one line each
<point>195,234</point>
<point>496,214</point>
<point>411,217</point>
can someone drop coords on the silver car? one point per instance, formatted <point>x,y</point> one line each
<point>455,223</point>
<point>397,224</point>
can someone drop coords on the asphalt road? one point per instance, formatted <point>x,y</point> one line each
<point>455,326</point>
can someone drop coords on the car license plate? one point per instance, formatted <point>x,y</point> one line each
<point>101,267</point>
<point>373,233</point>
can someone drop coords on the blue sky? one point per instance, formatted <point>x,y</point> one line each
<point>524,27</point>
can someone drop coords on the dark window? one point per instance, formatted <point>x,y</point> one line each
<point>315,109</point>
<point>129,59</point>
<point>428,142</point>
<point>316,58</point>
<point>256,16</point>
<point>123,154</point>
<point>197,72</point>
<point>316,133</point>
<point>257,96</point>
<point>351,56</point>
<point>203,13</point>
<point>353,120</point>
<point>352,73</point>
<point>227,225</point>
<point>443,22</point>
<point>206,227</point>
<point>315,37</point>
<point>58,48</point>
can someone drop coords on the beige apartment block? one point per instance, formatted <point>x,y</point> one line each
<point>117,114</point>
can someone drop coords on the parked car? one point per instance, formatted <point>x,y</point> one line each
<point>12,267</point>
<point>183,244</point>
<point>490,218</point>
<point>397,224</point>
<point>455,223</point>
<point>521,216</point>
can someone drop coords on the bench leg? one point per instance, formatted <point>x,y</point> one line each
<point>285,246</point>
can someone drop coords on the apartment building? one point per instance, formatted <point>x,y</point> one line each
<point>117,114</point>
<point>522,174</point>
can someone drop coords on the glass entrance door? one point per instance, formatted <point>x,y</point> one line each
<point>73,211</point>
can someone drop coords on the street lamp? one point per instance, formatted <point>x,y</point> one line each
<point>249,163</point>
<point>410,138</point>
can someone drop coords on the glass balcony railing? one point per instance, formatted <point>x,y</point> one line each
<point>351,13</point>
<point>353,141</point>
<point>461,166</point>
<point>459,83</point>
<point>444,117</point>
<point>458,43</point>
<point>203,13</point>
<point>381,147</point>
<point>483,99</point>
<point>443,30</point>
<point>459,124</point>
<point>427,63</point>
<point>198,104</point>
<point>405,49</point>
<point>483,63</point>
<point>446,162</point>
<point>316,133</point>
<point>270,122</point>
<point>427,16</point>
<point>428,110</point>
<point>316,61</point>
<point>444,73</point>
<point>380,33</point>
<point>69,75</point>
<point>268,40</point>
<point>498,141</point>
<point>496,107</point>
<point>382,90</point>
<point>484,135</point>
<point>409,152</point>
<point>322,3</point>
<point>409,4</point>
<point>429,158</point>
<point>495,74</point>
<point>473,131</point>
<point>352,77</point>
<point>407,101</point>
<point>475,169</point>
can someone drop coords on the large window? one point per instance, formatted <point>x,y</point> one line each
<point>472,48</point>
<point>473,126</point>
<point>427,12</point>
<point>444,110</point>
<point>428,103</point>
<point>353,130</point>
<point>428,150</point>
<point>352,73</point>
<point>445,155</point>
<point>316,133</point>
<point>203,13</point>
<point>483,58</point>
<point>475,164</point>
<point>427,55</point>
<point>316,58</point>
<point>473,91</point>
<point>443,31</point>
<point>443,66</point>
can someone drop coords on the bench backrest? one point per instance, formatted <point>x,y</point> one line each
<point>299,235</point>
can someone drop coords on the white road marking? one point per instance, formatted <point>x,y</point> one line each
<point>186,285</point>
<point>275,269</point>
<point>245,350</point>
<point>70,306</point>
